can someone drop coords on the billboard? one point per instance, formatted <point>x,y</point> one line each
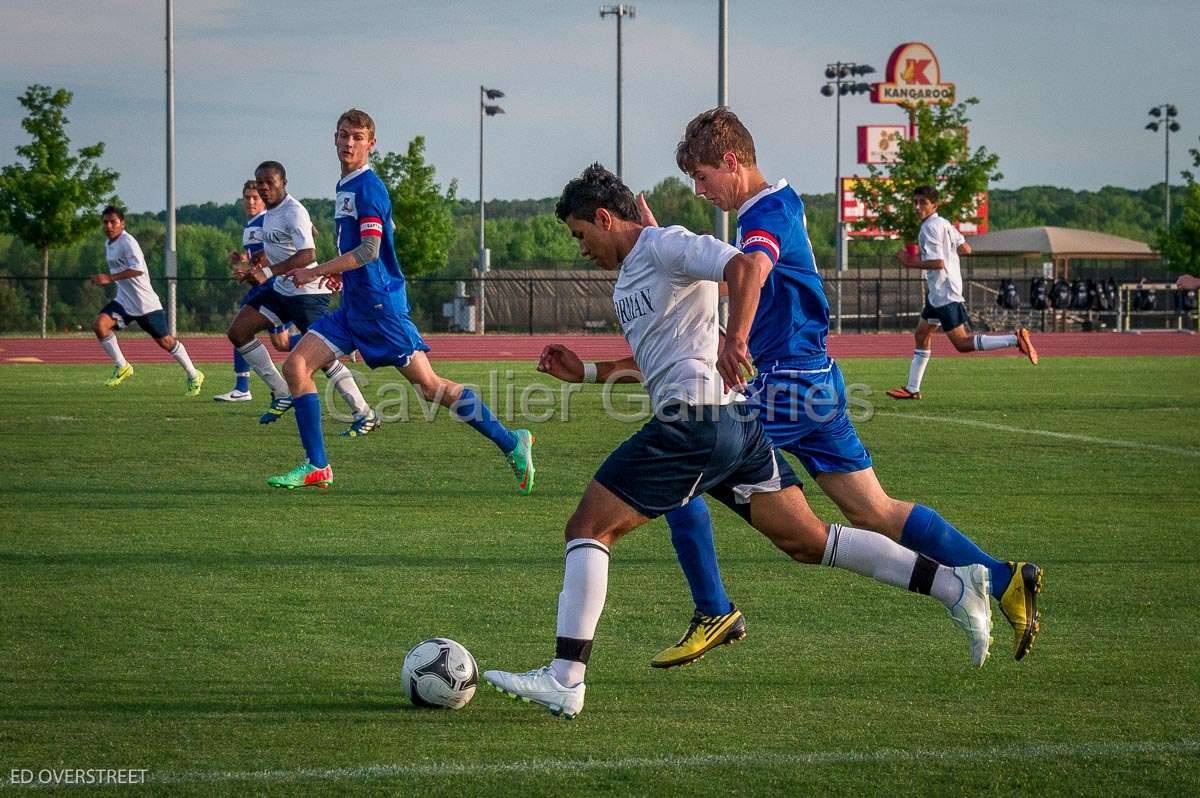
<point>913,76</point>
<point>880,143</point>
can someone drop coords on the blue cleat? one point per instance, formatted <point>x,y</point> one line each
<point>363,426</point>
<point>279,406</point>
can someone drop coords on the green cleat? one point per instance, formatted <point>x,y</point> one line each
<point>194,383</point>
<point>520,460</point>
<point>305,475</point>
<point>119,375</point>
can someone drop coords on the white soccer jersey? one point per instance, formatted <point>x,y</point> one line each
<point>940,241</point>
<point>135,295</point>
<point>666,301</point>
<point>287,229</point>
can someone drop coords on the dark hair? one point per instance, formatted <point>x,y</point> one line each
<point>709,136</point>
<point>596,188</point>
<point>357,118</point>
<point>272,166</point>
<point>928,192</point>
<point>113,210</point>
<point>250,184</point>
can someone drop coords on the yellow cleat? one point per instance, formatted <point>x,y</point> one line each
<point>194,383</point>
<point>119,375</point>
<point>1019,605</point>
<point>705,633</point>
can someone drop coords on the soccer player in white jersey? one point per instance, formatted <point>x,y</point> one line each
<point>135,301</point>
<point>242,261</point>
<point>700,440</point>
<point>288,244</point>
<point>939,247</point>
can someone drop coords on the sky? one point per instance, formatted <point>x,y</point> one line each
<point>1064,87</point>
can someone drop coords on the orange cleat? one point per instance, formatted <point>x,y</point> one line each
<point>1026,345</point>
<point>903,393</point>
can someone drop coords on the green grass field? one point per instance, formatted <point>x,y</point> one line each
<point>160,608</point>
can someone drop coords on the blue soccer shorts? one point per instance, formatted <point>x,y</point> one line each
<point>387,340</point>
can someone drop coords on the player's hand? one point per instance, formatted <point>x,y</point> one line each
<point>101,279</point>
<point>242,274</point>
<point>332,281</point>
<point>560,362</point>
<point>734,363</point>
<point>645,215</point>
<point>1187,282</point>
<point>302,276</point>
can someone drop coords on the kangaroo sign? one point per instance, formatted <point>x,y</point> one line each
<point>913,76</point>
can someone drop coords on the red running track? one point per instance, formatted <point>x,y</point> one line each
<point>216,349</point>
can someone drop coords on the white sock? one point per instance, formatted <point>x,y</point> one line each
<point>984,343</point>
<point>879,557</point>
<point>585,585</point>
<point>113,349</point>
<point>343,379</point>
<point>181,357</point>
<point>916,371</point>
<point>260,360</point>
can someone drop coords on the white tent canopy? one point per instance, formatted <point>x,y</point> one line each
<point>1059,243</point>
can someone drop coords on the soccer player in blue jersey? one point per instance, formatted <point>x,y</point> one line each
<point>801,395</point>
<point>241,260</point>
<point>374,319</point>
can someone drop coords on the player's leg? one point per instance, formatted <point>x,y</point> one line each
<point>310,354</point>
<point>785,518</point>
<point>916,370</point>
<point>241,385</point>
<point>285,337</point>
<point>716,621</point>
<point>155,324</point>
<point>469,407</point>
<point>105,327</point>
<point>243,334</point>
<point>599,521</point>
<point>965,341</point>
<point>343,381</point>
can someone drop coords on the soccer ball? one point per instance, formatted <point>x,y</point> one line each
<point>439,673</point>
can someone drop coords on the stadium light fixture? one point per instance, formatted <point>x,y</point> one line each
<point>837,86</point>
<point>485,109</point>
<point>1167,113</point>
<point>620,12</point>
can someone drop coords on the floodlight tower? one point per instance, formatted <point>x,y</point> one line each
<point>1164,117</point>
<point>620,12</point>
<point>485,109</point>
<point>840,81</point>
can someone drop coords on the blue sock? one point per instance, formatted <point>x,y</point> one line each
<point>471,409</point>
<point>692,537</point>
<point>241,370</point>
<point>308,419</point>
<point>926,532</point>
<point>293,339</point>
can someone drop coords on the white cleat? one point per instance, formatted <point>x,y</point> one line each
<point>539,687</point>
<point>233,396</point>
<point>973,612</point>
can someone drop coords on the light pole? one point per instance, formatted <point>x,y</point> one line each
<point>485,109</point>
<point>839,76</point>
<point>619,11</point>
<point>1167,113</point>
<point>170,260</point>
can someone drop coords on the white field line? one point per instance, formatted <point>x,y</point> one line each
<point>1096,750</point>
<point>1068,436</point>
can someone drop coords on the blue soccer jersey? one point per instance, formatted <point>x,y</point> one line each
<point>363,208</point>
<point>252,239</point>
<point>792,320</point>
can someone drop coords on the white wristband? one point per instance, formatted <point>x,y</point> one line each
<point>589,372</point>
<point>267,271</point>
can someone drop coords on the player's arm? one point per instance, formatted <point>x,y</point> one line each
<point>964,248</point>
<point>124,274</point>
<point>300,259</point>
<point>559,361</point>
<point>745,274</point>
<point>370,230</point>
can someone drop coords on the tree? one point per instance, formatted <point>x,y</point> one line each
<point>937,156</point>
<point>674,202</point>
<point>422,214</point>
<point>55,199</point>
<point>1181,244</point>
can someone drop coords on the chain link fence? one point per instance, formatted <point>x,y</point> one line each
<point>875,296</point>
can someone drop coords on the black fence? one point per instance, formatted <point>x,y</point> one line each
<point>872,295</point>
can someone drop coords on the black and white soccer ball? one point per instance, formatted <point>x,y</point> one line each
<point>439,673</point>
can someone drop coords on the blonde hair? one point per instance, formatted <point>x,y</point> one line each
<point>709,136</point>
